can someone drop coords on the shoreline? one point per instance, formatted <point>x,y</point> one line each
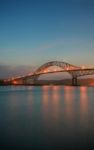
<point>46,85</point>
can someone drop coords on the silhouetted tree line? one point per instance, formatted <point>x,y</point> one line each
<point>1,82</point>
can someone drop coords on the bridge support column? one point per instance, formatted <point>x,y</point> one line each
<point>74,81</point>
<point>34,79</point>
<point>24,81</point>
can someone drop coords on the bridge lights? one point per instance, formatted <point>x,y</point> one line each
<point>5,81</point>
<point>14,82</point>
<point>83,67</point>
<point>55,69</point>
<point>45,71</point>
<point>67,68</point>
<point>29,74</point>
<point>8,80</point>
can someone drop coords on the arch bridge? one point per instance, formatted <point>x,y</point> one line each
<point>74,71</point>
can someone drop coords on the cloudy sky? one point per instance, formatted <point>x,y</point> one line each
<point>33,32</point>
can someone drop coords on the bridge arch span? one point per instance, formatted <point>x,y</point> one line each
<point>62,65</point>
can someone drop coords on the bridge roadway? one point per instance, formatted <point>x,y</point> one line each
<point>74,71</point>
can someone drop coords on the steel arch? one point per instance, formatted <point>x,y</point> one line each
<point>65,66</point>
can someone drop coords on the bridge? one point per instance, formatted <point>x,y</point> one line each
<point>74,72</point>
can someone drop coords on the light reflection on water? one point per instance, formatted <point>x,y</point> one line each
<point>45,115</point>
<point>55,102</point>
<point>84,103</point>
<point>69,102</point>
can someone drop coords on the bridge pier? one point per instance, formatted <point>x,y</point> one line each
<point>74,81</point>
<point>32,80</point>
<point>24,81</point>
<point>35,78</point>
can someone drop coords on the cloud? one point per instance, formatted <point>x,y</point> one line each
<point>10,71</point>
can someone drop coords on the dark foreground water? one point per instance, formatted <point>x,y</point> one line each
<point>48,117</point>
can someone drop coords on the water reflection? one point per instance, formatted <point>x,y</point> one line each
<point>13,104</point>
<point>69,103</point>
<point>30,103</point>
<point>55,99</point>
<point>45,96</point>
<point>45,100</point>
<point>84,104</point>
<point>49,114</point>
<point>51,106</point>
<point>13,114</point>
<point>46,106</point>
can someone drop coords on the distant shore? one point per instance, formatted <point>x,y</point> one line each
<point>65,82</point>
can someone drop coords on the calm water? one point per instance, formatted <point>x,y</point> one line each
<point>48,117</point>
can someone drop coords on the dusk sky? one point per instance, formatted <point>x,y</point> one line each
<point>33,32</point>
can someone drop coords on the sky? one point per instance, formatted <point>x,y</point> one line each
<point>33,32</point>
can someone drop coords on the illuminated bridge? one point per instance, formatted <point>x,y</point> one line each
<point>74,71</point>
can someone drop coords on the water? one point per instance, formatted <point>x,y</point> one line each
<point>47,117</point>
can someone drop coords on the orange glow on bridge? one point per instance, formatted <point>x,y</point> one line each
<point>55,69</point>
<point>45,71</point>
<point>83,67</point>
<point>92,84</point>
<point>14,82</point>
<point>67,68</point>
